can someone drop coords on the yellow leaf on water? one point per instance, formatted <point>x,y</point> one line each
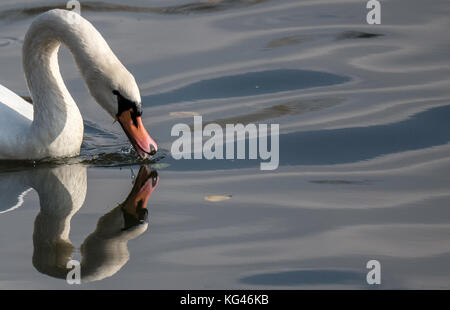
<point>160,166</point>
<point>217,198</point>
<point>183,114</point>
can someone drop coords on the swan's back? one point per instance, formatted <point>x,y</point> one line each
<point>16,116</point>
<point>9,99</point>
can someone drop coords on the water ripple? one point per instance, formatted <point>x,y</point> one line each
<point>98,6</point>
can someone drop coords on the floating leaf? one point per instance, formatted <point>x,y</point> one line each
<point>160,166</point>
<point>181,114</point>
<point>217,198</point>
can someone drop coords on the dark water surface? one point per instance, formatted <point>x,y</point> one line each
<point>247,84</point>
<point>364,169</point>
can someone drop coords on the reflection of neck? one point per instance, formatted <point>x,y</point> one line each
<point>61,193</point>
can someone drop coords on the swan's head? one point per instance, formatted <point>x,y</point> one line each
<point>134,207</point>
<point>115,89</point>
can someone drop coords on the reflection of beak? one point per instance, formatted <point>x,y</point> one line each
<point>134,207</point>
<point>136,133</point>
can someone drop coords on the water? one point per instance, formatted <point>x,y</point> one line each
<point>364,143</point>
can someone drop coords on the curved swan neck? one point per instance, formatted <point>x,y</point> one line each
<point>53,103</point>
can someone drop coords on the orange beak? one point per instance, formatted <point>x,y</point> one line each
<point>135,206</point>
<point>136,133</point>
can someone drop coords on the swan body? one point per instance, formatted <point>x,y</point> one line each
<point>53,126</point>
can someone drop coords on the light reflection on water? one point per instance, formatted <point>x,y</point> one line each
<point>364,168</point>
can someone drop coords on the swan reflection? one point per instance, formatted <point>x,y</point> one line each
<point>62,191</point>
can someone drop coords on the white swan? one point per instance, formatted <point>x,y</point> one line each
<point>53,126</point>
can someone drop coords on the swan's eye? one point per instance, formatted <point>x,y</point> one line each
<point>125,105</point>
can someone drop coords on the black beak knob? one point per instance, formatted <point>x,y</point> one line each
<point>142,214</point>
<point>152,150</point>
<point>154,176</point>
